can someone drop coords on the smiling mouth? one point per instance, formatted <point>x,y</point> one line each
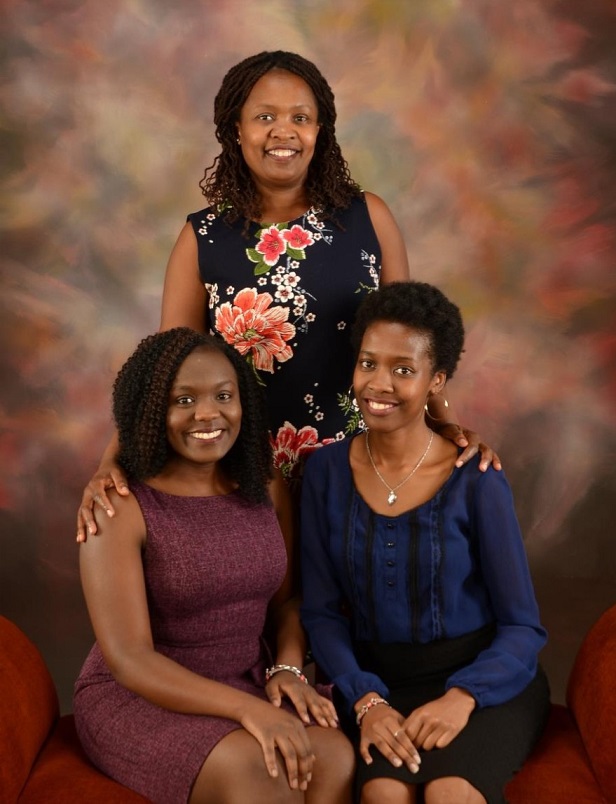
<point>372,405</point>
<point>206,436</point>
<point>281,153</point>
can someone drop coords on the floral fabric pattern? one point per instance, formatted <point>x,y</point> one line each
<point>255,329</point>
<point>292,446</point>
<point>285,295</point>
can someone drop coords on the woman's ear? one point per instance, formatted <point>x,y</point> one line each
<point>438,383</point>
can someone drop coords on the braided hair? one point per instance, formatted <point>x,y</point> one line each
<point>227,182</point>
<point>420,306</point>
<point>141,399</point>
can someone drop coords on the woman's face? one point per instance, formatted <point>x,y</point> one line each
<point>278,129</point>
<point>204,415</point>
<point>394,375</point>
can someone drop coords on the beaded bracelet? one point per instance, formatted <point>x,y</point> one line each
<point>367,706</point>
<point>278,668</point>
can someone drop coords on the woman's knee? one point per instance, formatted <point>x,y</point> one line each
<point>235,772</point>
<point>387,791</point>
<point>452,788</point>
<point>334,766</point>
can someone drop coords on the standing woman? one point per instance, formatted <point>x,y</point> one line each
<point>278,261</point>
<point>179,698</point>
<point>418,602</point>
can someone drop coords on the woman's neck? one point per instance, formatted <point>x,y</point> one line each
<point>278,205</point>
<point>192,480</point>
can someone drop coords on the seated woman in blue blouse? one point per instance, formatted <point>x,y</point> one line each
<point>417,595</point>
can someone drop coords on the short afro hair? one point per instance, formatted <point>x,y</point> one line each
<point>419,306</point>
<point>141,399</point>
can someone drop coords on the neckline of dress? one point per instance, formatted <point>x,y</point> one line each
<point>268,224</point>
<point>454,472</point>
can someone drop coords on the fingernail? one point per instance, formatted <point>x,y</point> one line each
<point>413,768</point>
<point>396,762</point>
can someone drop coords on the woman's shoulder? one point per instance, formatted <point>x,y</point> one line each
<point>470,476</point>
<point>332,454</point>
<point>207,216</point>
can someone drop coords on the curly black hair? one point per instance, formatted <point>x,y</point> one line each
<point>419,306</point>
<point>227,181</point>
<point>141,399</point>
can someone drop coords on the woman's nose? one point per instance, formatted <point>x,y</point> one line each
<point>206,411</point>
<point>283,128</point>
<point>380,380</point>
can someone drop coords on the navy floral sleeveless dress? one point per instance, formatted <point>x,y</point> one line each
<point>285,297</point>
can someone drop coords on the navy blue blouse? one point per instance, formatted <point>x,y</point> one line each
<point>450,566</point>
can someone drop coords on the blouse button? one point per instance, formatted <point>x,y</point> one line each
<point>391,583</point>
<point>391,563</point>
<point>390,525</point>
<point>390,544</point>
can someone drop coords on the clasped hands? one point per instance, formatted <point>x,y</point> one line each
<point>433,725</point>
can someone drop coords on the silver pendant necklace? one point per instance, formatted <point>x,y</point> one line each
<point>392,496</point>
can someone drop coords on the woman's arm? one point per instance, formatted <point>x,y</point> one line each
<point>114,587</point>
<point>184,295</point>
<point>505,668</point>
<point>183,305</point>
<point>394,259</point>
<point>290,639</point>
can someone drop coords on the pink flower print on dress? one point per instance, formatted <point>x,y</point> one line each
<point>271,245</point>
<point>256,329</point>
<point>298,238</point>
<point>274,242</point>
<point>290,446</point>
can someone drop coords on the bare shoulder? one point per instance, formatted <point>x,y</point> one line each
<point>127,521</point>
<point>184,294</point>
<point>394,259</point>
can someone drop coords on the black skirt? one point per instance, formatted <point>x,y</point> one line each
<point>494,743</point>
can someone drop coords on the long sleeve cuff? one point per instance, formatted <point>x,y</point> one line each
<point>352,686</point>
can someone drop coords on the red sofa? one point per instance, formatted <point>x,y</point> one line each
<point>575,760</point>
<point>41,759</point>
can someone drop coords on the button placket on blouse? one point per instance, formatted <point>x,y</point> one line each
<point>390,556</point>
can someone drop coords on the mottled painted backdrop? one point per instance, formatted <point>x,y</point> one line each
<point>489,128</point>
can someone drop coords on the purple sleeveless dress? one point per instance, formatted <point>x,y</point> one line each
<point>211,566</point>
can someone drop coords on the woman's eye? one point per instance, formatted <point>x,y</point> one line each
<point>404,371</point>
<point>224,396</point>
<point>265,116</point>
<point>184,400</point>
<point>366,364</point>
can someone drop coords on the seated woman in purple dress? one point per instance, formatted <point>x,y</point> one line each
<point>179,698</point>
<point>418,600</point>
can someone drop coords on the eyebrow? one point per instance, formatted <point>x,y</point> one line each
<point>405,358</point>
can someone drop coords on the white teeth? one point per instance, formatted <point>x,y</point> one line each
<point>379,406</point>
<point>281,152</point>
<point>207,436</point>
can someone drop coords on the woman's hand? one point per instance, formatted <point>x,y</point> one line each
<point>304,698</point>
<point>469,439</point>
<point>435,724</point>
<point>276,729</point>
<point>108,475</point>
<point>383,727</point>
